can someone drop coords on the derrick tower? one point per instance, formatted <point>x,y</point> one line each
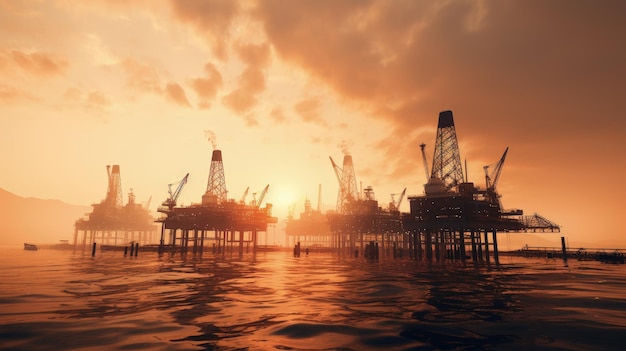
<point>114,190</point>
<point>348,191</point>
<point>111,222</point>
<point>216,187</point>
<point>447,159</point>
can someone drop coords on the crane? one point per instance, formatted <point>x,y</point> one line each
<point>422,146</point>
<point>243,197</point>
<point>395,205</point>
<point>337,169</point>
<point>491,180</point>
<point>171,201</point>
<point>256,202</point>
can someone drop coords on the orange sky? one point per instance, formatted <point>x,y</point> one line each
<point>285,84</point>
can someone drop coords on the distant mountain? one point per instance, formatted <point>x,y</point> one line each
<point>36,220</point>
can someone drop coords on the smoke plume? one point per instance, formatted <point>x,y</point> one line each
<point>343,145</point>
<point>211,137</point>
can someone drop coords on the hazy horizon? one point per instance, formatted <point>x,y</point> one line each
<point>155,86</point>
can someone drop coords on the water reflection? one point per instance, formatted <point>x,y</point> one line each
<point>276,301</point>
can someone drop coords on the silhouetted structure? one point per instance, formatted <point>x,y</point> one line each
<point>312,229</point>
<point>221,222</point>
<point>360,226</point>
<point>112,223</point>
<point>454,218</point>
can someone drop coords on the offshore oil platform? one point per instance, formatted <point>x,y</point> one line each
<point>359,225</point>
<point>453,220</point>
<point>356,226</point>
<point>311,229</point>
<point>217,221</point>
<point>113,223</point>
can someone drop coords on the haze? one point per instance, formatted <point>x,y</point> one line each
<point>279,86</point>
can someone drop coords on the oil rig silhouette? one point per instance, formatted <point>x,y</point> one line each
<point>453,220</point>
<point>221,222</point>
<point>357,226</point>
<point>113,223</point>
<point>311,229</point>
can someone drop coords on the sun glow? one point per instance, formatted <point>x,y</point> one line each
<point>281,197</point>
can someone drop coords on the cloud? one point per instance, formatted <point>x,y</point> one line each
<point>251,82</point>
<point>142,77</point>
<point>175,93</point>
<point>93,101</point>
<point>98,99</point>
<point>212,19</point>
<point>10,94</point>
<point>277,115</point>
<point>506,80</point>
<point>36,63</point>
<point>308,109</point>
<point>145,78</point>
<point>206,88</point>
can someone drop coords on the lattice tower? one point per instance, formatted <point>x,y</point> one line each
<point>447,159</point>
<point>348,191</point>
<point>217,182</point>
<point>114,191</point>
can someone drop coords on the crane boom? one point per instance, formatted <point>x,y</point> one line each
<point>243,197</point>
<point>262,196</point>
<point>491,180</point>
<point>401,198</point>
<point>171,201</point>
<point>337,169</point>
<point>395,205</point>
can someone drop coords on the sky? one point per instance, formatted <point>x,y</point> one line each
<point>279,86</point>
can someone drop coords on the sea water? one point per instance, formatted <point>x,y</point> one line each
<point>61,300</point>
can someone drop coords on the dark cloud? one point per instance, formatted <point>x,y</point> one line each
<point>513,72</point>
<point>175,93</point>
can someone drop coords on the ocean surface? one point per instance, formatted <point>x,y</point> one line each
<point>60,300</point>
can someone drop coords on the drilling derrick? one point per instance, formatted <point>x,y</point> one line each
<point>454,217</point>
<point>447,159</point>
<point>218,221</point>
<point>216,187</point>
<point>360,225</point>
<point>348,191</point>
<point>114,190</point>
<point>112,223</point>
